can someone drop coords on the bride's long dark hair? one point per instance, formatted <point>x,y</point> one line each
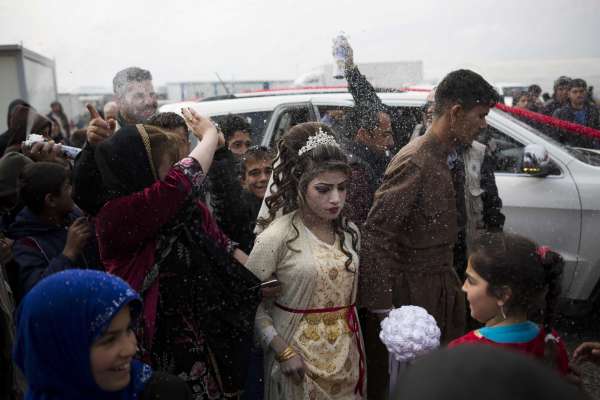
<point>294,172</point>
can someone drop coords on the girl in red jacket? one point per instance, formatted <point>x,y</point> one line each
<point>508,280</point>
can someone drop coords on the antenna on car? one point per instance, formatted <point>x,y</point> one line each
<point>222,83</point>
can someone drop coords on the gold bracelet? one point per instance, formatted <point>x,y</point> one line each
<point>286,354</point>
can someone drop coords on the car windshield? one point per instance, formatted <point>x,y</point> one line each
<point>588,156</point>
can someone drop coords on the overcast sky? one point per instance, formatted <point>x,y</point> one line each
<point>280,39</point>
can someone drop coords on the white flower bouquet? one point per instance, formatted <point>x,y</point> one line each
<point>408,332</point>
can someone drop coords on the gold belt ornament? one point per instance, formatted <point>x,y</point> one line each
<point>328,318</point>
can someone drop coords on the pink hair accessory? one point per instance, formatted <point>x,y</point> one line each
<point>550,338</point>
<point>542,251</point>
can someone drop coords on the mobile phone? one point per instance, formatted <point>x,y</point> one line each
<point>270,283</point>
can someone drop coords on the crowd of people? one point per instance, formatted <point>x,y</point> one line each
<point>174,258</point>
<point>572,101</point>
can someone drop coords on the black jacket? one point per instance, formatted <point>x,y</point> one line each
<point>39,246</point>
<point>234,208</point>
<point>368,168</point>
<point>88,191</point>
<point>365,95</point>
<point>550,106</point>
<point>4,138</point>
<point>567,113</point>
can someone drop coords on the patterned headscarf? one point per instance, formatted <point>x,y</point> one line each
<point>58,321</point>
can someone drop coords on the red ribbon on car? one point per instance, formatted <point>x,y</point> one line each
<point>547,120</point>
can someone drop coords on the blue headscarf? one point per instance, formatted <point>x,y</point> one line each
<point>57,323</point>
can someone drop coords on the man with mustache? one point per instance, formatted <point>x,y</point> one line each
<point>134,95</point>
<point>407,251</point>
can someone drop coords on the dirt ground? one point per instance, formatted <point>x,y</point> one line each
<point>578,331</point>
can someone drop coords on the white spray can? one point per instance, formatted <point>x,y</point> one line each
<point>340,52</point>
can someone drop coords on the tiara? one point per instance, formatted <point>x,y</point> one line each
<point>321,138</point>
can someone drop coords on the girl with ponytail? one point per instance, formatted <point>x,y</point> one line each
<point>509,280</point>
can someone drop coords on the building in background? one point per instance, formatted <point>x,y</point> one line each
<point>182,91</point>
<point>25,75</point>
<point>389,75</point>
<point>74,101</point>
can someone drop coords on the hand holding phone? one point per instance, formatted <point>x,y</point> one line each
<point>270,288</point>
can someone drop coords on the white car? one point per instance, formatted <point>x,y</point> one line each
<point>559,208</point>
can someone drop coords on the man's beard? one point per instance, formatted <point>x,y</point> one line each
<point>139,117</point>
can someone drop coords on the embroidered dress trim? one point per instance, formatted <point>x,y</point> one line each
<point>354,327</point>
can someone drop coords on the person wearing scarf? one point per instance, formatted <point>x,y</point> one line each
<point>199,304</point>
<point>5,136</point>
<point>62,328</point>
<point>25,121</point>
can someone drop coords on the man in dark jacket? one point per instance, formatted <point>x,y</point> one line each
<point>57,114</point>
<point>559,97</point>
<point>137,101</point>
<point>50,235</point>
<point>367,138</point>
<point>579,111</point>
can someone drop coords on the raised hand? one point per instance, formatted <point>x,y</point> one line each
<point>99,129</point>
<point>200,126</point>
<point>349,64</point>
<point>77,236</point>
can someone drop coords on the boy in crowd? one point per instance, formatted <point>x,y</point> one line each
<point>256,167</point>
<point>50,234</point>
<point>237,134</point>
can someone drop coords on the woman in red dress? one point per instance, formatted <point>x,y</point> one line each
<point>508,279</point>
<point>199,302</point>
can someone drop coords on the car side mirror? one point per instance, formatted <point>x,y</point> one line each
<point>536,161</point>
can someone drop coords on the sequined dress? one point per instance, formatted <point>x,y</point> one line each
<point>325,341</point>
